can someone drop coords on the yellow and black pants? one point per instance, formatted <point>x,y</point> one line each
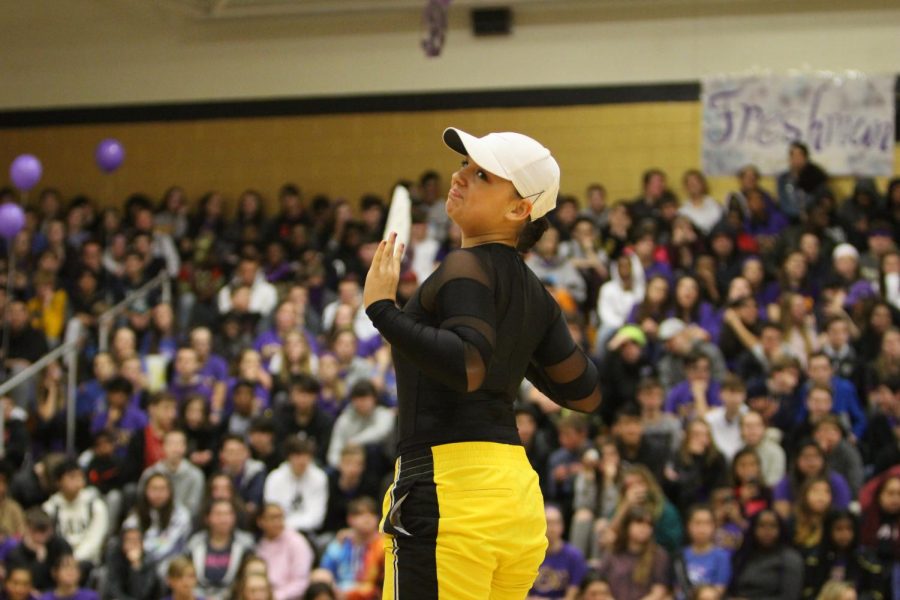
<point>463,521</point>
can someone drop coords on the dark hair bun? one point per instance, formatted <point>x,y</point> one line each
<point>531,233</point>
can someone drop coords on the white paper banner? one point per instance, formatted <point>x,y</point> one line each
<point>847,122</point>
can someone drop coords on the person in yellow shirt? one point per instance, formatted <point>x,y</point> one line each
<point>48,307</point>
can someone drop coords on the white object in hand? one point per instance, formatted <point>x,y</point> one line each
<point>399,218</point>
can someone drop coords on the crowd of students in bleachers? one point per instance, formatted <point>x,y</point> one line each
<point>236,439</point>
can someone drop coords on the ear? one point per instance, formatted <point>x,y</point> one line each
<point>519,211</point>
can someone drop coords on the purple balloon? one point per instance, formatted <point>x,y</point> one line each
<point>109,155</point>
<point>12,220</point>
<point>25,171</point>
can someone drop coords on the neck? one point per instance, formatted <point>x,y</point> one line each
<point>66,590</point>
<point>731,412</point>
<point>701,546</point>
<point>364,538</point>
<point>650,412</point>
<point>219,539</point>
<point>635,548</point>
<point>496,237</point>
<point>348,480</point>
<point>555,545</point>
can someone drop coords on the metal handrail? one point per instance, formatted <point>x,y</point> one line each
<point>70,350</point>
<point>105,320</point>
<point>32,369</point>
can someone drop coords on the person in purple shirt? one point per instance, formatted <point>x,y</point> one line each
<point>845,399</point>
<point>764,221</point>
<point>269,342</point>
<point>17,584</point>
<point>186,378</point>
<point>89,396</point>
<point>560,575</point>
<point>66,575</point>
<point>213,368</point>
<point>698,392</point>
<point>809,463</point>
<point>690,308</point>
<point>704,562</point>
<point>121,416</point>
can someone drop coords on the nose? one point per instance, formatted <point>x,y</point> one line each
<point>457,178</point>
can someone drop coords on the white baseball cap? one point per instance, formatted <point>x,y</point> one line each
<point>517,158</point>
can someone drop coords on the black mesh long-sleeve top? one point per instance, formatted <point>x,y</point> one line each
<point>462,344</point>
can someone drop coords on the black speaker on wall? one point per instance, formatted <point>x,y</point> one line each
<point>491,21</point>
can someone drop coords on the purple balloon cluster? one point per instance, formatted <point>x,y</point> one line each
<point>26,170</point>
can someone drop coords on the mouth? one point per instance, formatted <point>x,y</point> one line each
<point>455,194</point>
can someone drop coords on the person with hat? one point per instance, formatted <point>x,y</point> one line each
<point>624,365</point>
<point>461,346</point>
<point>679,340</point>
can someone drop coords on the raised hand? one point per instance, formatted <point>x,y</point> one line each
<point>384,274</point>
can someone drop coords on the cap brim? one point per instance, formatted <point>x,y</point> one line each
<point>473,147</point>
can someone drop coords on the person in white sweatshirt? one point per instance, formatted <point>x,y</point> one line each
<point>618,296</point>
<point>363,422</point>
<point>78,512</point>
<point>299,487</point>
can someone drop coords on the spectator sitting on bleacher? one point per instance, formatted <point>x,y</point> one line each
<point>845,401</point>
<point>362,422</point>
<point>771,456</point>
<point>357,559</point>
<point>563,568</point>
<point>18,584</point>
<point>548,265</point>
<point>637,566</point>
<point>247,474</point>
<point>665,429</point>
<point>217,550</point>
<point>12,518</point>
<point>619,296</point>
<point>679,340</point>
<point>840,455</point>
<point>187,480</point>
<point>120,417</point>
<point>565,463</point>
<point>39,549</point>
<point>263,296</point>
<point>634,447</point>
<point>699,392</point>
<point>269,342</point>
<point>702,562</point>
<point>622,369</point>
<point>79,513</point>
<point>130,573</point>
<point>212,367</point>
<point>288,555</point>
<point>146,447</point>
<point>302,416</point>
<point>353,478</point>
<point>725,420</point>
<point>165,524</point>
<point>299,486</point>
<point>186,379</point>
<point>66,575</point>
